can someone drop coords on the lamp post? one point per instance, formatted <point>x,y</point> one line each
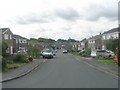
<point>119,33</point>
<point>119,47</point>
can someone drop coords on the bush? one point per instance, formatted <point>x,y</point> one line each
<point>4,64</point>
<point>80,53</point>
<point>34,51</point>
<point>20,58</point>
<point>86,53</point>
<point>30,59</point>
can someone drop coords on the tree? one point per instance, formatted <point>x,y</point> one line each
<point>72,40</point>
<point>4,60</point>
<point>4,48</point>
<point>34,51</point>
<point>112,44</point>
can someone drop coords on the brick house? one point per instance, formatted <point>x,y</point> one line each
<point>95,42</point>
<point>20,43</point>
<point>39,45</point>
<point>7,37</point>
<point>111,34</point>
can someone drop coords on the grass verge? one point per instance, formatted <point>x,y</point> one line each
<point>111,61</point>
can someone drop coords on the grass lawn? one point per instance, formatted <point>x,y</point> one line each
<point>14,65</point>
<point>111,61</point>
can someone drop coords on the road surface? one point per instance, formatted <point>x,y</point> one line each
<point>64,71</point>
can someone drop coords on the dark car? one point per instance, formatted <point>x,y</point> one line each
<point>104,54</point>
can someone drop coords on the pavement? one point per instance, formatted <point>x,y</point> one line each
<point>111,69</point>
<point>21,71</point>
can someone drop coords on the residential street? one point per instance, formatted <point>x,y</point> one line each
<point>64,71</point>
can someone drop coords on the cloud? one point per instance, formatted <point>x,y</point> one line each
<point>97,11</point>
<point>33,18</point>
<point>67,14</point>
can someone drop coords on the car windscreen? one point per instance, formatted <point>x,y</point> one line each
<point>47,50</point>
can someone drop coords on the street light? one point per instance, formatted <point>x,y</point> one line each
<point>119,33</point>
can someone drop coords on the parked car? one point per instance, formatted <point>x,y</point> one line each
<point>55,50</point>
<point>47,53</point>
<point>104,54</point>
<point>65,51</point>
<point>54,53</point>
<point>112,53</point>
<point>22,52</point>
<point>93,54</point>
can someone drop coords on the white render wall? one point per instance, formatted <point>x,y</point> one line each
<point>110,36</point>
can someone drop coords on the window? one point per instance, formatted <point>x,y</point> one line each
<point>92,41</point>
<point>6,36</point>
<point>20,41</point>
<point>25,41</point>
<point>89,41</point>
<point>10,37</point>
<point>104,37</point>
<point>16,41</point>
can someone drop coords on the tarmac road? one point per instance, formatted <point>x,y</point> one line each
<point>64,71</point>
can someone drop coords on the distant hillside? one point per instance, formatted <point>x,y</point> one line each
<point>69,40</point>
<point>45,40</point>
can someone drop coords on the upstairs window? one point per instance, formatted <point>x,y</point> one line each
<point>6,36</point>
<point>10,37</point>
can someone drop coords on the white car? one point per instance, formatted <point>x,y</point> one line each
<point>47,53</point>
<point>93,54</point>
<point>65,51</point>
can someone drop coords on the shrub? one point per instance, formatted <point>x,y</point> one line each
<point>26,61</point>
<point>20,58</point>
<point>4,63</point>
<point>84,55</point>
<point>88,52</point>
<point>30,59</point>
<point>80,53</point>
<point>34,51</point>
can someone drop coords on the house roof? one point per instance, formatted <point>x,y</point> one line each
<point>95,37</point>
<point>84,40</point>
<point>2,30</point>
<point>18,37</point>
<point>113,30</point>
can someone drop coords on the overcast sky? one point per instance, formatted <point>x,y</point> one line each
<point>56,19</point>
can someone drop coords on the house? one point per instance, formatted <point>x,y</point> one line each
<point>111,34</point>
<point>20,43</point>
<point>83,44</point>
<point>95,42</point>
<point>6,36</point>
<point>39,45</point>
<point>75,46</point>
